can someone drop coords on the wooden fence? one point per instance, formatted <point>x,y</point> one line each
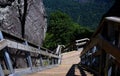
<point>102,53</point>
<point>18,56</point>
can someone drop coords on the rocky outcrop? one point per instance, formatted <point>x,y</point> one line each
<point>24,18</point>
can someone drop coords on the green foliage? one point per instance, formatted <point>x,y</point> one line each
<point>62,30</point>
<point>84,13</point>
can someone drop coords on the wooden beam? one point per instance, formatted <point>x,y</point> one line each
<point>3,44</point>
<point>97,53</point>
<point>113,19</point>
<point>19,46</point>
<point>92,43</point>
<point>109,48</point>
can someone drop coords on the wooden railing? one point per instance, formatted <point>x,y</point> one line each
<point>18,56</point>
<point>102,53</point>
<point>76,45</point>
<point>81,43</point>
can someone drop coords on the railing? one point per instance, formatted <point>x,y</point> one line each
<point>18,56</point>
<point>81,43</point>
<point>76,45</point>
<point>102,53</point>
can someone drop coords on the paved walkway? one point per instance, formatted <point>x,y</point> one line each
<point>69,60</point>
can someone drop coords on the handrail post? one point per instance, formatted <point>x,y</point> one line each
<point>102,62</point>
<point>106,65</point>
<point>1,36</point>
<point>1,71</point>
<point>52,61</point>
<point>41,60</point>
<point>60,58</point>
<point>48,60</point>
<point>8,61</point>
<point>40,56</point>
<point>58,51</point>
<point>29,60</point>
<point>55,61</point>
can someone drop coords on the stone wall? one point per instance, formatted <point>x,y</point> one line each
<point>24,18</point>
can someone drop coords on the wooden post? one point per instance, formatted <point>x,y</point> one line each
<point>118,40</point>
<point>106,65</point>
<point>52,61</point>
<point>1,71</point>
<point>48,60</point>
<point>8,61</point>
<point>59,59</point>
<point>1,36</point>
<point>56,61</point>
<point>41,60</point>
<point>29,60</point>
<point>102,62</point>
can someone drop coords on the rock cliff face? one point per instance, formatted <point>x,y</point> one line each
<point>24,18</point>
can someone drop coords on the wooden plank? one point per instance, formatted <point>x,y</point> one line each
<point>82,40</point>
<point>114,19</point>
<point>12,44</point>
<point>3,44</point>
<point>80,44</point>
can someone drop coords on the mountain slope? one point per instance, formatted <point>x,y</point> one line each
<point>85,12</point>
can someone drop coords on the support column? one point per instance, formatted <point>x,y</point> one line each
<point>41,60</point>
<point>29,60</point>
<point>1,71</point>
<point>59,59</point>
<point>8,62</point>
<point>56,61</point>
<point>48,60</point>
<point>52,61</point>
<point>1,36</point>
<point>106,65</point>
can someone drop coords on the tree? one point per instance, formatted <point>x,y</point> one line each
<point>62,30</point>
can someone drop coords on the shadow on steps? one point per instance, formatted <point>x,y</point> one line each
<point>76,71</point>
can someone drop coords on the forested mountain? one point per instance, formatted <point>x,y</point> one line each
<point>62,30</point>
<point>85,12</point>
